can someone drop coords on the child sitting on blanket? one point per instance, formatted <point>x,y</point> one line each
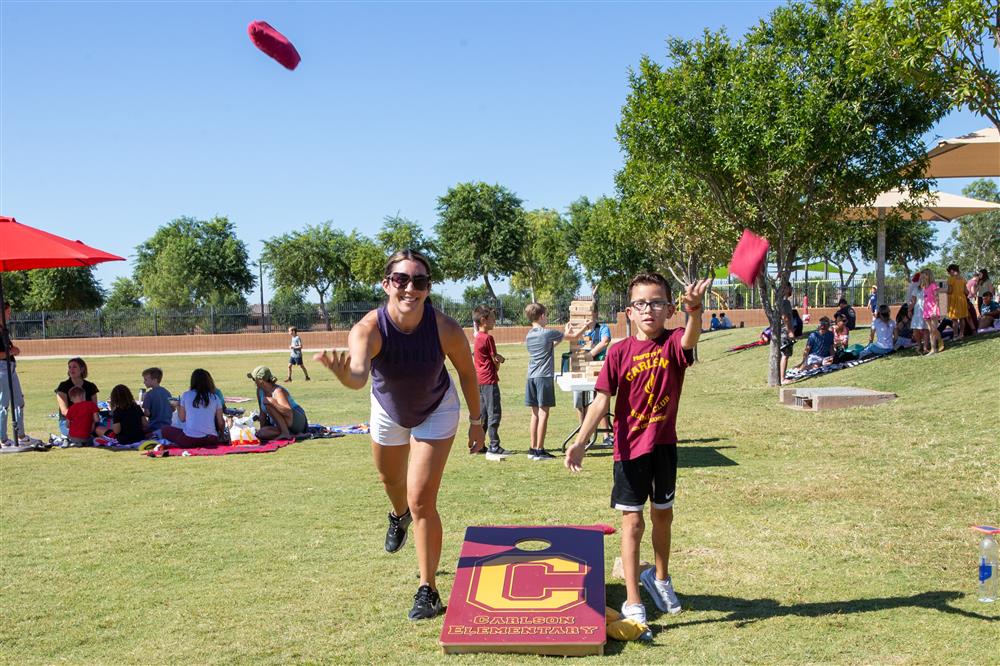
<point>81,416</point>
<point>882,338</point>
<point>128,423</point>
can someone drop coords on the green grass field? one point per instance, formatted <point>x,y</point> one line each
<point>799,537</point>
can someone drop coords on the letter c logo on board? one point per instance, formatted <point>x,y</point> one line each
<point>553,582</point>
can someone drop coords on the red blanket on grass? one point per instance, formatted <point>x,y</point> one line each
<point>221,450</point>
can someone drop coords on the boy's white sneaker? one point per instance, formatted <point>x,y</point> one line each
<point>635,612</point>
<point>662,591</point>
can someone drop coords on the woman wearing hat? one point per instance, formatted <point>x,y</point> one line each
<point>415,407</point>
<point>280,416</point>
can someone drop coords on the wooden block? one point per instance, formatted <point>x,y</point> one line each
<point>510,596</point>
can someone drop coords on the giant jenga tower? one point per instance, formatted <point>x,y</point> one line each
<point>581,312</point>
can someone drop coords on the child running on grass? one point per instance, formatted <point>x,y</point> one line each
<point>645,373</point>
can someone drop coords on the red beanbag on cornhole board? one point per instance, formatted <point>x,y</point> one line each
<point>274,44</point>
<point>748,257</point>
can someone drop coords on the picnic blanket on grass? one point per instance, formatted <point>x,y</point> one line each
<point>356,429</point>
<point>175,451</point>
<point>793,376</point>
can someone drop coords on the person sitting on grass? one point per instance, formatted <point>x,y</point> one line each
<point>841,340</point>
<point>280,416</point>
<point>844,309</point>
<point>989,311</point>
<point>76,372</point>
<point>819,347</point>
<point>200,413</point>
<point>645,373</point>
<point>81,416</point>
<point>883,335</point>
<point>156,401</point>
<point>724,321</point>
<point>904,332</point>
<point>128,423</point>
<point>714,324</point>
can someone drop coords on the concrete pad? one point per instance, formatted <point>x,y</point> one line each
<point>833,397</point>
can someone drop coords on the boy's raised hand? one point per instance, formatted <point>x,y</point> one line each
<point>694,293</point>
<point>574,456</point>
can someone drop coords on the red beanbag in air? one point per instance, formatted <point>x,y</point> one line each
<point>748,257</point>
<point>274,44</point>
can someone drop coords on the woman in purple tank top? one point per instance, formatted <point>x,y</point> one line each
<point>415,408</point>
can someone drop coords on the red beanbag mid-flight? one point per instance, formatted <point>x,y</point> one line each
<point>748,257</point>
<point>274,44</point>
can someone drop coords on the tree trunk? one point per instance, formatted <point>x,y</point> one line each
<point>489,287</point>
<point>322,309</point>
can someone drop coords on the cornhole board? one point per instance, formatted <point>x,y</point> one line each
<point>833,397</point>
<point>526,600</point>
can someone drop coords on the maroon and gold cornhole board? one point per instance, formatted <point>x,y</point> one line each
<point>528,601</point>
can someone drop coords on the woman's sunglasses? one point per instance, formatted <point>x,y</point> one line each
<point>400,280</point>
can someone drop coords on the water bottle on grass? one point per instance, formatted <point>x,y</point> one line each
<point>988,564</point>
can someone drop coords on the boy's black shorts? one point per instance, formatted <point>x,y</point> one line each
<point>652,475</point>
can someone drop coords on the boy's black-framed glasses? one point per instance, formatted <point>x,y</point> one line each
<point>641,305</point>
<point>420,282</point>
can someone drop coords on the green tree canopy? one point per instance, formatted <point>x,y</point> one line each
<point>974,243</point>
<point>194,263</point>
<point>546,272</point>
<point>480,232</point>
<point>318,258</point>
<point>63,289</point>
<point>125,295</point>
<point>938,44</point>
<point>612,246</point>
<point>782,129</point>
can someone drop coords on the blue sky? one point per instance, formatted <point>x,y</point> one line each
<point>117,117</point>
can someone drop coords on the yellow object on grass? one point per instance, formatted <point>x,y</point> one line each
<point>622,629</point>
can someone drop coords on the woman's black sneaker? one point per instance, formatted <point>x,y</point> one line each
<point>426,604</point>
<point>395,536</point>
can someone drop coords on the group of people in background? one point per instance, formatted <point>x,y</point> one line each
<point>919,321</point>
<point>195,418</point>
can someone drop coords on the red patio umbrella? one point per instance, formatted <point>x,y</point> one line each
<point>24,248</point>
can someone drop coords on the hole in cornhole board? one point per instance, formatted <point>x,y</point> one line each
<point>533,544</point>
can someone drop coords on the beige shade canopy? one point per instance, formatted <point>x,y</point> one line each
<point>971,155</point>
<point>936,206</point>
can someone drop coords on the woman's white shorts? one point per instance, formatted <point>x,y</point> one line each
<point>441,424</point>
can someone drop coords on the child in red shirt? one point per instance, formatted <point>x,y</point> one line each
<point>81,415</point>
<point>645,373</point>
<point>487,362</point>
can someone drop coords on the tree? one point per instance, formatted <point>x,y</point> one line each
<point>194,263</point>
<point>545,270</point>
<point>63,289</point>
<point>125,295</point>
<point>318,257</point>
<point>782,129</point>
<point>480,232</point>
<point>612,247</point>
<point>686,235</point>
<point>937,44</point>
<point>289,308</point>
<point>974,243</point>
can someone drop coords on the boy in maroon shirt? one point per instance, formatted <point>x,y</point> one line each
<point>487,362</point>
<point>645,373</point>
